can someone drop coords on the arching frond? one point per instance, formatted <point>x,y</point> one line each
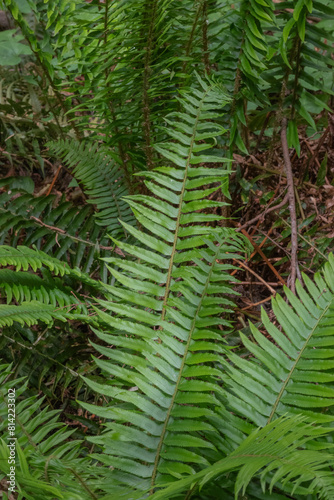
<point>29,313</point>
<point>291,371</point>
<point>102,179</point>
<point>61,295</point>
<point>171,311</point>
<point>26,287</point>
<point>278,448</point>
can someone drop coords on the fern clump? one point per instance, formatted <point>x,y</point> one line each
<point>171,311</point>
<point>173,407</point>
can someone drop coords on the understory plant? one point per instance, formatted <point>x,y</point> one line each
<point>118,311</point>
<point>179,408</point>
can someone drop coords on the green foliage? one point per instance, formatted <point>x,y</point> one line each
<point>277,447</point>
<point>60,229</point>
<point>28,313</point>
<point>11,49</point>
<point>57,294</point>
<point>102,181</point>
<point>47,464</point>
<point>180,411</point>
<point>299,360</point>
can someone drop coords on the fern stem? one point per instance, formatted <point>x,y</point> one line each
<point>84,484</point>
<point>294,366</point>
<point>151,10</point>
<point>206,57</point>
<point>191,37</point>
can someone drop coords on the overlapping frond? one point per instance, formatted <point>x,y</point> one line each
<point>291,372</point>
<point>29,313</point>
<point>165,326</point>
<point>66,231</point>
<point>60,295</point>
<point>22,258</point>
<point>102,179</point>
<point>26,287</point>
<point>278,449</point>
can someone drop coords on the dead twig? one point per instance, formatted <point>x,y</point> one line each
<point>263,214</point>
<point>292,209</point>
<point>53,180</point>
<point>256,275</point>
<point>60,231</point>
<point>265,258</point>
<point>256,304</point>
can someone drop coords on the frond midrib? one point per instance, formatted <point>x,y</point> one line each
<point>176,234</point>
<point>177,384</point>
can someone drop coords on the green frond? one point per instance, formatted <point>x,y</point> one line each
<point>26,287</point>
<point>277,448</point>
<point>23,258</point>
<point>49,297</point>
<point>169,311</point>
<point>102,179</point>
<point>29,313</point>
<point>62,229</point>
<point>291,371</point>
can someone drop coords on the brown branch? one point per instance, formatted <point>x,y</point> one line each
<point>265,258</point>
<point>266,212</point>
<point>58,230</point>
<point>256,275</point>
<point>292,209</point>
<point>53,181</point>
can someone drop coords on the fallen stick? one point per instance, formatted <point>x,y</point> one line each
<point>262,216</point>
<point>257,276</point>
<point>292,209</point>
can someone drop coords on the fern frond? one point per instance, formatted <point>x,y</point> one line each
<point>170,309</point>
<point>29,313</point>
<point>23,257</point>
<point>291,371</point>
<point>26,287</point>
<point>104,183</point>
<point>63,230</point>
<point>275,448</point>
